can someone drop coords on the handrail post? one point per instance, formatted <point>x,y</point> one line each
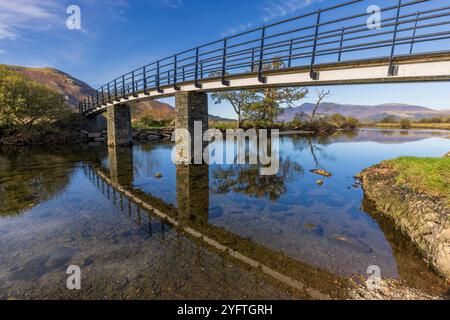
<point>414,33</point>
<point>314,75</point>
<point>291,43</point>
<point>123,88</point>
<point>341,45</point>
<point>144,74</point>
<point>115,91</point>
<point>197,58</point>
<point>253,60</point>
<point>133,83</point>
<point>103,95</point>
<point>158,78</point>
<point>80,108</point>
<point>98,98</point>
<point>261,77</point>
<point>393,69</point>
<point>175,71</point>
<point>224,63</point>
<point>109,94</point>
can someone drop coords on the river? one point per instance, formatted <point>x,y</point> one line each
<point>203,232</point>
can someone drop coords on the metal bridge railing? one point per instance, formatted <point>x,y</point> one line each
<point>323,36</point>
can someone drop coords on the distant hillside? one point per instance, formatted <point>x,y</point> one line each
<point>157,110</point>
<point>364,112</point>
<point>72,89</point>
<point>75,90</point>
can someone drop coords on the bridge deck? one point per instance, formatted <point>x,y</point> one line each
<point>416,68</point>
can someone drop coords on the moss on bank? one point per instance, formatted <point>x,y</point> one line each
<point>424,175</point>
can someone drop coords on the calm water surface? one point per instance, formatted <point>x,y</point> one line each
<point>203,231</point>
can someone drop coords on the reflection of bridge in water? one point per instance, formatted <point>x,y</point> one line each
<point>191,220</point>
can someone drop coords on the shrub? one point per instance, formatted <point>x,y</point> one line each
<point>351,123</point>
<point>148,122</point>
<point>27,106</point>
<point>405,124</point>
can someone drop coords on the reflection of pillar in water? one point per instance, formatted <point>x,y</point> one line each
<point>193,193</point>
<point>121,164</point>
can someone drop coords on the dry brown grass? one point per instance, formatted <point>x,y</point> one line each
<point>444,126</point>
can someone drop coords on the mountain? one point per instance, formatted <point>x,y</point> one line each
<point>75,90</point>
<point>365,112</point>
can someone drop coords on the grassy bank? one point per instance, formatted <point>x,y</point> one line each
<point>424,175</point>
<point>441,126</point>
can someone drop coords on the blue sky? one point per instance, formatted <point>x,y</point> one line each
<point>119,35</point>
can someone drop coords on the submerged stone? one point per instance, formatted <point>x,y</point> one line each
<point>322,172</point>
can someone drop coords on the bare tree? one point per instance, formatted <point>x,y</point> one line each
<point>321,95</point>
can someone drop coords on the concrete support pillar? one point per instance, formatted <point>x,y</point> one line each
<point>121,164</point>
<point>192,112</point>
<point>193,194</point>
<point>119,125</point>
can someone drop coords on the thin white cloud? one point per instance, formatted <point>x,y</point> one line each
<point>272,9</point>
<point>38,15</point>
<point>2,51</point>
<point>238,29</point>
<point>275,9</point>
<point>172,3</point>
<point>26,14</point>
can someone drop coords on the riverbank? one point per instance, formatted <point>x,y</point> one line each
<point>78,136</point>
<point>415,194</point>
<point>439,126</point>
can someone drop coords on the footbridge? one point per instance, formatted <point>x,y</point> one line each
<point>353,42</point>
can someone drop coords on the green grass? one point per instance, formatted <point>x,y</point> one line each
<point>223,125</point>
<point>427,175</point>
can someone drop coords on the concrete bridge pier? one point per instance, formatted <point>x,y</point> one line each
<point>119,125</point>
<point>192,112</point>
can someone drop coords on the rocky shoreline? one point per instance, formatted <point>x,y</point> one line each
<point>83,136</point>
<point>424,218</point>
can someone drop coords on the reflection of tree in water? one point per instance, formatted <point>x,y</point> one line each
<point>29,178</point>
<point>316,146</point>
<point>246,179</point>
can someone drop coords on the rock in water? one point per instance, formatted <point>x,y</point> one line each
<point>158,175</point>
<point>320,182</point>
<point>322,172</point>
